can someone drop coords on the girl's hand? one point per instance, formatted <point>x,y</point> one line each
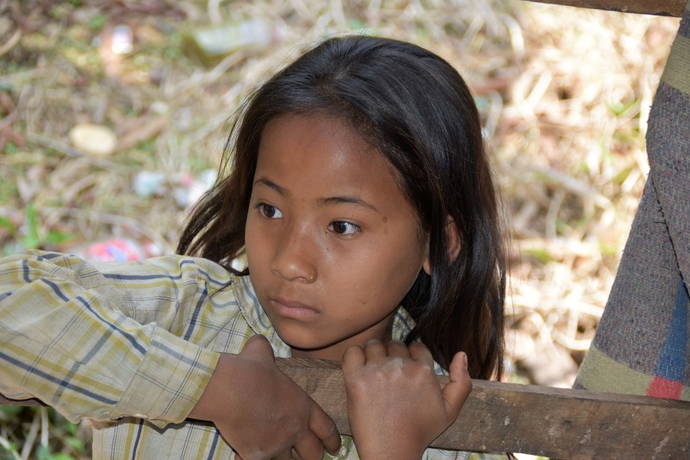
<point>395,403</point>
<point>260,412</point>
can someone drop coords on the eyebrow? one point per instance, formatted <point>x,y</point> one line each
<point>271,184</point>
<point>332,200</point>
<point>348,200</point>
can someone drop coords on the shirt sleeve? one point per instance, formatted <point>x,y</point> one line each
<point>105,342</point>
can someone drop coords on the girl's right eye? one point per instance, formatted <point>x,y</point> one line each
<point>268,211</point>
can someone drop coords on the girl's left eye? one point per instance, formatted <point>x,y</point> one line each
<point>268,211</point>
<point>344,228</point>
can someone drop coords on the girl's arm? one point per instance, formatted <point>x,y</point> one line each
<point>65,339</point>
<point>395,405</point>
<point>114,340</point>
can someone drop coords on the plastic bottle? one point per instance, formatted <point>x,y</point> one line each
<point>212,44</point>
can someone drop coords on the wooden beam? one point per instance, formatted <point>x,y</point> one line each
<point>657,7</point>
<point>558,423</point>
<point>502,417</point>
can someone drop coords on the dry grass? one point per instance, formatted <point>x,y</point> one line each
<point>573,165</point>
<point>564,95</point>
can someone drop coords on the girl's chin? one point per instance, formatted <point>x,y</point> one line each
<point>306,346</point>
<point>311,347</point>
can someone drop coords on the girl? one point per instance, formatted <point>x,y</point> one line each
<point>362,199</point>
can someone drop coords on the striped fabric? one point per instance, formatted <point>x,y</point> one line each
<point>131,346</point>
<point>642,345</point>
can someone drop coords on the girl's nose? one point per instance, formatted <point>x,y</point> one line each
<point>293,260</point>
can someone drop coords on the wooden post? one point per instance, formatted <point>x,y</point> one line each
<point>502,417</point>
<point>657,7</point>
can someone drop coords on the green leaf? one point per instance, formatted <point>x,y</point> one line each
<point>76,444</point>
<point>541,254</point>
<point>57,237</point>
<point>356,24</point>
<point>617,108</point>
<point>620,108</point>
<point>607,249</point>
<point>31,240</point>
<point>43,453</point>
<point>8,225</point>
<point>7,448</point>
<point>11,410</point>
<point>61,456</point>
<point>622,175</point>
<point>10,148</point>
<point>72,429</point>
<point>97,22</point>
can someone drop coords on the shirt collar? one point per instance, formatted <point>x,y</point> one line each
<point>256,317</point>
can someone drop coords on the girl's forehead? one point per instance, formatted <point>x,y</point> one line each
<point>319,155</point>
<point>313,128</point>
<point>296,143</point>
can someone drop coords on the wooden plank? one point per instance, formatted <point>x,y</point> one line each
<point>501,417</point>
<point>657,7</point>
<point>557,423</point>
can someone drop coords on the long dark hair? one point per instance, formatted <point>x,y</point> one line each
<point>415,109</point>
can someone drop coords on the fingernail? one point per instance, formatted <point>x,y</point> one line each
<point>464,359</point>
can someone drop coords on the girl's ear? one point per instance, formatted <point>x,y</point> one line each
<point>453,239</point>
<point>426,265</point>
<point>452,242</point>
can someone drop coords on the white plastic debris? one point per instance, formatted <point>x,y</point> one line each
<point>123,39</point>
<point>93,139</point>
<point>149,183</point>
<point>192,189</point>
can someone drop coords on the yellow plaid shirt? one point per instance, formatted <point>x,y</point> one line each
<point>131,346</point>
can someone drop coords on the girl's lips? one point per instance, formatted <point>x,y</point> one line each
<point>294,310</point>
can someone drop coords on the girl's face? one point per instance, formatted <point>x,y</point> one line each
<point>332,243</point>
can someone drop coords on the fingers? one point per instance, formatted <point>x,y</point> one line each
<point>324,429</point>
<point>283,456</point>
<point>398,349</point>
<point>458,367</point>
<point>309,447</point>
<point>456,391</point>
<point>257,347</point>
<point>374,351</point>
<point>353,359</point>
<point>419,352</point>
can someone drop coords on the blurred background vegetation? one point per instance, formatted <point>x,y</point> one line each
<point>112,121</point>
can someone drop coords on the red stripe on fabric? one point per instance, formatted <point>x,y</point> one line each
<point>663,388</point>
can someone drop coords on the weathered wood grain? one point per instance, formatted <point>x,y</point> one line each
<point>501,417</point>
<point>557,423</point>
<point>657,7</point>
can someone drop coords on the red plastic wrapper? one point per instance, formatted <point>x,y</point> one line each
<point>115,250</point>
